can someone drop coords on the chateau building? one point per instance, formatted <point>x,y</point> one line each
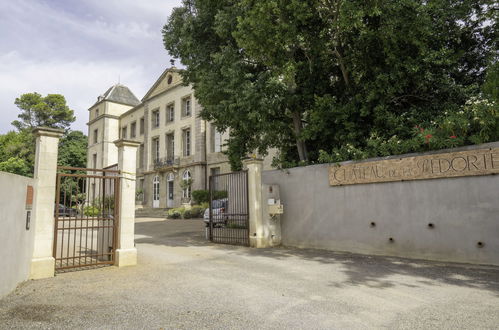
<point>178,150</point>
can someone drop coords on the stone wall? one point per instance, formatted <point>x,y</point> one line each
<point>17,242</point>
<point>449,219</point>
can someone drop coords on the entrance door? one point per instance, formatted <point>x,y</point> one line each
<point>155,192</point>
<point>169,202</point>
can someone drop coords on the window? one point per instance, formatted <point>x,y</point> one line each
<point>96,113</point>
<point>186,137</point>
<point>186,106</point>
<point>186,191</point>
<point>94,161</point>
<point>170,113</point>
<point>155,149</point>
<point>96,135</point>
<point>216,139</point>
<point>123,132</point>
<point>155,118</point>
<point>170,146</point>
<point>141,128</point>
<point>133,129</point>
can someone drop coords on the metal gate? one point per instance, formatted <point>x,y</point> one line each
<point>229,214</point>
<point>86,217</point>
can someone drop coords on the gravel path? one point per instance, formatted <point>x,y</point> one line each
<point>184,282</point>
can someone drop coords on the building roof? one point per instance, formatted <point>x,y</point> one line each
<point>119,94</point>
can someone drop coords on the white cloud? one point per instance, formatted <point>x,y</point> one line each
<point>79,49</point>
<point>79,82</point>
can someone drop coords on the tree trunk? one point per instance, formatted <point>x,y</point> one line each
<point>300,145</point>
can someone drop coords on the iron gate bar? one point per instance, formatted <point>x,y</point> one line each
<point>76,225</point>
<point>229,221</point>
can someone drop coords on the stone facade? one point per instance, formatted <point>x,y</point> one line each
<point>175,143</point>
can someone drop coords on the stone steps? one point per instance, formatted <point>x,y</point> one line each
<point>150,213</point>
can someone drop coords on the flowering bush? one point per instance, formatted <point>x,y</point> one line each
<point>475,123</point>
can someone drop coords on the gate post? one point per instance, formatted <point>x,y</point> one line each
<point>257,230</point>
<point>45,172</point>
<point>126,253</point>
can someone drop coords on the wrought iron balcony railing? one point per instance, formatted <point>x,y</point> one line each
<point>166,162</point>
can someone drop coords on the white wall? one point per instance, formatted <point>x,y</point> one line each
<point>17,242</point>
<point>464,211</point>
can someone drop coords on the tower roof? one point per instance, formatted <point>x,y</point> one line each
<point>119,94</point>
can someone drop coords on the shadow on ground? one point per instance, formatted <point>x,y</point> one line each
<point>361,270</point>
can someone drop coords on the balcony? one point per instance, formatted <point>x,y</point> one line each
<point>166,162</point>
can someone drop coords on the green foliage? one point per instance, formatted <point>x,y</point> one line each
<point>200,196</point>
<point>219,194</point>
<point>16,165</point>
<point>91,211</point>
<point>17,149</point>
<point>477,122</point>
<point>49,111</point>
<point>175,213</point>
<point>306,76</point>
<point>73,150</point>
<point>203,196</point>
<point>197,211</point>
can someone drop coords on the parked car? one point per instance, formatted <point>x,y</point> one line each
<point>65,211</point>
<point>219,213</point>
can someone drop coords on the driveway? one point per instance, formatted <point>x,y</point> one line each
<point>184,282</point>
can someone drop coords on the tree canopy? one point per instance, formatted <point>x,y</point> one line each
<point>17,148</point>
<point>316,78</point>
<point>49,111</point>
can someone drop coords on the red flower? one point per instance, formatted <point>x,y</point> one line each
<point>453,136</point>
<point>421,129</point>
<point>428,137</point>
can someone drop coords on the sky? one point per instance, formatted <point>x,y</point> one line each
<point>79,48</point>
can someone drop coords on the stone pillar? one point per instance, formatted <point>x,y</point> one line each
<point>126,253</point>
<point>47,143</point>
<point>258,232</point>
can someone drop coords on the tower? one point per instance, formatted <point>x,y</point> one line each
<point>104,125</point>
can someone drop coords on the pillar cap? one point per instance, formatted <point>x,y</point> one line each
<point>126,143</point>
<point>47,131</point>
<point>252,160</point>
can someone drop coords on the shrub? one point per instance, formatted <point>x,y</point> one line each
<point>175,213</point>
<point>219,194</point>
<point>91,211</point>
<point>200,196</point>
<point>203,196</point>
<point>197,211</point>
<point>187,214</point>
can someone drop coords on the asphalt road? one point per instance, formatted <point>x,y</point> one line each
<point>184,282</point>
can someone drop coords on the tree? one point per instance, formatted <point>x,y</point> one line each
<point>17,149</point>
<point>323,74</point>
<point>73,150</point>
<point>17,153</point>
<point>49,111</point>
